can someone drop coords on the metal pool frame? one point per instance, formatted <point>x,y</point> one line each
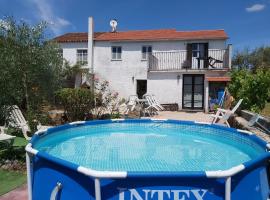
<point>100,175</point>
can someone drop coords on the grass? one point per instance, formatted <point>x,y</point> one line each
<point>266,111</point>
<point>19,142</point>
<point>10,180</point>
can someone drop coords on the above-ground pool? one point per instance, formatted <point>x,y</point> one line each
<point>147,159</point>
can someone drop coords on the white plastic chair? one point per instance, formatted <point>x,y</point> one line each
<point>5,137</point>
<point>154,99</point>
<point>223,115</point>
<point>151,108</point>
<point>132,101</point>
<point>17,120</point>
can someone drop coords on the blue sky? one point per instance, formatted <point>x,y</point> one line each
<point>247,22</point>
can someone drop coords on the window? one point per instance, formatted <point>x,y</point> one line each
<point>198,50</point>
<point>82,56</point>
<point>146,50</point>
<point>116,53</point>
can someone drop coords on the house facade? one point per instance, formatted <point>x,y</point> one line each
<point>178,67</point>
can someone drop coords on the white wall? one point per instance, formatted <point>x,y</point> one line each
<point>70,50</point>
<point>120,73</point>
<point>165,85</point>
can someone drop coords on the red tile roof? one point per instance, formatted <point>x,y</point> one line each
<point>146,35</point>
<point>72,37</point>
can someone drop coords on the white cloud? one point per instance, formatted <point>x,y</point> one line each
<point>44,11</point>
<point>255,8</point>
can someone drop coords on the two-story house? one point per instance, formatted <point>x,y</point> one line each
<point>183,67</point>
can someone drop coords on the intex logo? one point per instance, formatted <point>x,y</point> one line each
<point>147,194</point>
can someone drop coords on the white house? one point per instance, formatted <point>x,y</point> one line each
<point>182,67</point>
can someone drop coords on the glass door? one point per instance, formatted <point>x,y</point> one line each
<point>193,91</point>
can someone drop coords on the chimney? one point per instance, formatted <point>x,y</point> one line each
<point>90,44</point>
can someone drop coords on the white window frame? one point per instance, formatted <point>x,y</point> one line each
<point>146,54</point>
<point>82,58</point>
<point>117,55</point>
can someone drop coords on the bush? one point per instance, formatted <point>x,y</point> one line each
<point>106,101</point>
<point>77,102</point>
<point>253,88</point>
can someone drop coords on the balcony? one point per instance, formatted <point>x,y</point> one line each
<point>217,59</point>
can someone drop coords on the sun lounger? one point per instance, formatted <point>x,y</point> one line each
<point>17,120</point>
<point>223,115</point>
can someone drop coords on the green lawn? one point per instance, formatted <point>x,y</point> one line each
<point>10,180</point>
<point>20,142</point>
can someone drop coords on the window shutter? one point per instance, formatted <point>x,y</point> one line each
<point>189,55</point>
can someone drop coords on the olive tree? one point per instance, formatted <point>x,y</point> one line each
<point>258,58</point>
<point>30,65</point>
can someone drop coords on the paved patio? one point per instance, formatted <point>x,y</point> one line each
<point>17,194</point>
<point>190,116</point>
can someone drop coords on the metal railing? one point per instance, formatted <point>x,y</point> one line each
<point>177,60</point>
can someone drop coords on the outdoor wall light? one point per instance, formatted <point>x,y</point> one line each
<point>178,78</point>
<point>133,78</point>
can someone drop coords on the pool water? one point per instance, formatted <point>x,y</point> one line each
<point>155,147</point>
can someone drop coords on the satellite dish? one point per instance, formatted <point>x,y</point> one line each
<point>113,24</point>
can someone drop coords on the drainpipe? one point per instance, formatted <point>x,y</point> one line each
<point>90,43</point>
<point>230,56</point>
<point>206,97</point>
<point>91,51</point>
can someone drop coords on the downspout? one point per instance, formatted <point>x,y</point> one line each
<point>91,51</point>
<point>229,56</point>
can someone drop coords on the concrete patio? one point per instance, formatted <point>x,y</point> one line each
<point>190,116</point>
<point>17,194</point>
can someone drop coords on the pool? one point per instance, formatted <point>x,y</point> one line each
<point>147,159</point>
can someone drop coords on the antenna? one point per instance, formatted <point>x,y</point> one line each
<point>113,24</point>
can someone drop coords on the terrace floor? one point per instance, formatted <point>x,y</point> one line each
<point>190,116</point>
<point>19,193</point>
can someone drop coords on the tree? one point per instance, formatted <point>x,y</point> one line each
<point>259,58</point>
<point>252,87</point>
<point>30,65</point>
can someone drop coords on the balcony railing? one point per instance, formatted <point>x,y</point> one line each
<point>177,60</point>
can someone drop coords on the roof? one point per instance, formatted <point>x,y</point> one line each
<point>144,35</point>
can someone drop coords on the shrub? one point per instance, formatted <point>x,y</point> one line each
<point>253,88</point>
<point>77,102</point>
<point>106,101</point>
